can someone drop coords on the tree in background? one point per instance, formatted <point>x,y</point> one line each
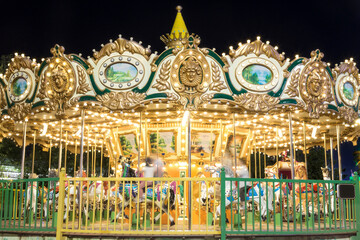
<point>4,61</point>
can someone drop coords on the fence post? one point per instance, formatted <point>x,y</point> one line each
<point>222,203</point>
<point>60,217</point>
<point>357,205</point>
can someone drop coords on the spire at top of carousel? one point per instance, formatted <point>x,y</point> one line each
<point>178,32</point>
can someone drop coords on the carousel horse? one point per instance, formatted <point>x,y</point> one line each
<point>35,194</point>
<point>328,191</point>
<point>162,195</point>
<point>72,195</point>
<point>283,188</point>
<point>256,195</point>
<point>230,189</point>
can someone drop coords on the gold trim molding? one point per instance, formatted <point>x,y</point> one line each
<point>19,111</point>
<point>256,102</point>
<point>121,100</point>
<point>120,46</point>
<point>257,47</point>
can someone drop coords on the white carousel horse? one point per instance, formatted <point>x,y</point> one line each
<point>35,194</point>
<point>230,189</point>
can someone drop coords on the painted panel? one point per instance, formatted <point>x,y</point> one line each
<point>19,86</point>
<point>121,72</point>
<point>257,74</point>
<point>349,91</point>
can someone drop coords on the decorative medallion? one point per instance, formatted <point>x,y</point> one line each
<point>258,67</point>
<point>20,76</point>
<point>58,83</point>
<point>256,102</point>
<point>121,72</point>
<point>257,74</point>
<point>347,80</point>
<point>121,100</point>
<point>348,91</point>
<point>190,74</point>
<point>315,85</point>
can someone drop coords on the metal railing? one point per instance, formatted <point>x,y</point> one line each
<point>226,206</point>
<point>286,207</point>
<point>113,206</point>
<point>28,205</point>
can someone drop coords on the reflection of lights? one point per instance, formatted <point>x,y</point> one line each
<point>185,118</point>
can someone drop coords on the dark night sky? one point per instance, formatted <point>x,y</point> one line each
<point>296,27</point>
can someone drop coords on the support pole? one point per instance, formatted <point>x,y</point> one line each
<point>332,158</point>
<point>66,144</point>
<point>325,150</point>
<point>255,156</point>
<point>82,143</point>
<point>50,154</point>
<point>234,142</point>
<point>23,150</point>
<point>250,147</point>
<point>33,156</point>
<point>88,153</point>
<point>94,153</point>
<point>211,143</point>
<point>264,154</point>
<point>259,159</point>
<point>221,143</point>
<point>339,153</point>
<point>139,145</point>
<point>305,154</point>
<point>101,156</point>
<point>291,147</point>
<point>145,138</point>
<point>277,150</point>
<point>189,169</point>
<point>75,157</point>
<point>60,146</point>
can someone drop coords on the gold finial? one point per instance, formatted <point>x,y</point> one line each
<point>179,8</point>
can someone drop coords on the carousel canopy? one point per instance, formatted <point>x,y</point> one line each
<point>254,85</point>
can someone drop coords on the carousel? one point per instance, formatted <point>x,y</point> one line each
<point>187,113</point>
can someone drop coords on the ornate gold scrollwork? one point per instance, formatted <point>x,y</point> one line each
<point>58,83</point>
<point>17,63</point>
<point>121,100</point>
<point>348,114</point>
<point>163,83</point>
<point>315,85</point>
<point>256,102</point>
<point>347,67</point>
<point>121,45</point>
<point>83,87</point>
<point>20,111</point>
<point>257,47</point>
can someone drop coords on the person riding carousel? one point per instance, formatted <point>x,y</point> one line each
<point>149,172</point>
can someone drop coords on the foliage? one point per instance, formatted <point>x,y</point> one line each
<point>10,154</point>
<point>315,160</point>
<point>4,60</point>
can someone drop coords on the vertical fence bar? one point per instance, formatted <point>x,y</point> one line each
<point>59,224</point>
<point>223,199</point>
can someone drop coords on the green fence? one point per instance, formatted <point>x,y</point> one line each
<point>28,205</point>
<point>285,207</point>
